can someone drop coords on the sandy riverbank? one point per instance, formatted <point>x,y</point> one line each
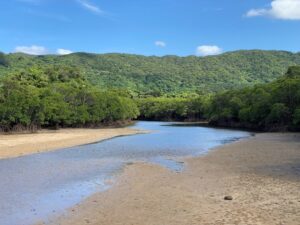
<point>47,140</point>
<point>262,174</point>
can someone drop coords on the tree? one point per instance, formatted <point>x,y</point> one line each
<point>3,60</point>
<point>279,114</point>
<point>54,97</point>
<point>296,117</point>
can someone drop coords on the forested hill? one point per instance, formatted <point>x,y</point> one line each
<point>270,107</point>
<point>58,96</point>
<point>168,75</point>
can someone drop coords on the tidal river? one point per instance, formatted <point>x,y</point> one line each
<point>39,186</point>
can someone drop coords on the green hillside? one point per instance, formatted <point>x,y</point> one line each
<point>168,75</point>
<point>274,106</point>
<point>58,96</point>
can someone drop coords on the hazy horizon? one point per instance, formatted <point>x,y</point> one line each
<point>159,56</point>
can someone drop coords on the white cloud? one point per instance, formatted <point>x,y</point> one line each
<point>161,44</point>
<point>280,9</point>
<point>206,50</point>
<point>256,12</point>
<point>62,51</point>
<point>91,7</point>
<point>32,50</point>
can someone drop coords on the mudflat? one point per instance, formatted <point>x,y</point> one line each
<point>261,174</point>
<point>14,145</point>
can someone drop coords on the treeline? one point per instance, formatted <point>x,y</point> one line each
<point>173,109</point>
<point>167,76</point>
<point>273,106</point>
<point>58,96</point>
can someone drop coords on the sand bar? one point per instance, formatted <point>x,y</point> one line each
<point>262,174</point>
<point>16,145</point>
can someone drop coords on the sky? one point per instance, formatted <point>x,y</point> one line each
<point>148,27</point>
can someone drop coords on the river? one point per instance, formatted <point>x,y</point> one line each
<point>39,186</point>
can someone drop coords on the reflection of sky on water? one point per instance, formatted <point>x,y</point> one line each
<point>33,187</point>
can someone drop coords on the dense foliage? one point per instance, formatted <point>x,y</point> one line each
<point>170,76</point>
<point>58,96</point>
<point>3,60</point>
<point>232,89</point>
<point>272,106</point>
<point>170,109</point>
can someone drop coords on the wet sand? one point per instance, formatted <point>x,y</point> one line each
<point>47,140</point>
<point>262,174</point>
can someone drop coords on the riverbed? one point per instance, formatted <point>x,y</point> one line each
<point>38,186</point>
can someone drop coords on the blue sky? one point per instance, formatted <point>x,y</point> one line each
<point>148,27</point>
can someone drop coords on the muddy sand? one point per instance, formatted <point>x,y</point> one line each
<point>261,174</point>
<point>14,145</point>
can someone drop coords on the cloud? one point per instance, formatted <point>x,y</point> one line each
<point>206,50</point>
<point>280,9</point>
<point>62,51</point>
<point>91,7</point>
<point>256,12</point>
<point>32,50</point>
<point>161,44</point>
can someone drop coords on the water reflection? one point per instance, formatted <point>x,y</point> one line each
<point>36,186</point>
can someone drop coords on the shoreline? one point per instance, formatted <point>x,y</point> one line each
<point>261,173</point>
<point>16,145</point>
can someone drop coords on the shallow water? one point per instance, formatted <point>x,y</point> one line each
<point>38,186</point>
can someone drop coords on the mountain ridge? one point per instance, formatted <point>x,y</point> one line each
<point>167,75</point>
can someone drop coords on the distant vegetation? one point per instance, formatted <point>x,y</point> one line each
<point>173,109</point>
<point>237,89</point>
<point>58,97</point>
<point>3,60</point>
<point>272,106</point>
<point>168,76</point>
